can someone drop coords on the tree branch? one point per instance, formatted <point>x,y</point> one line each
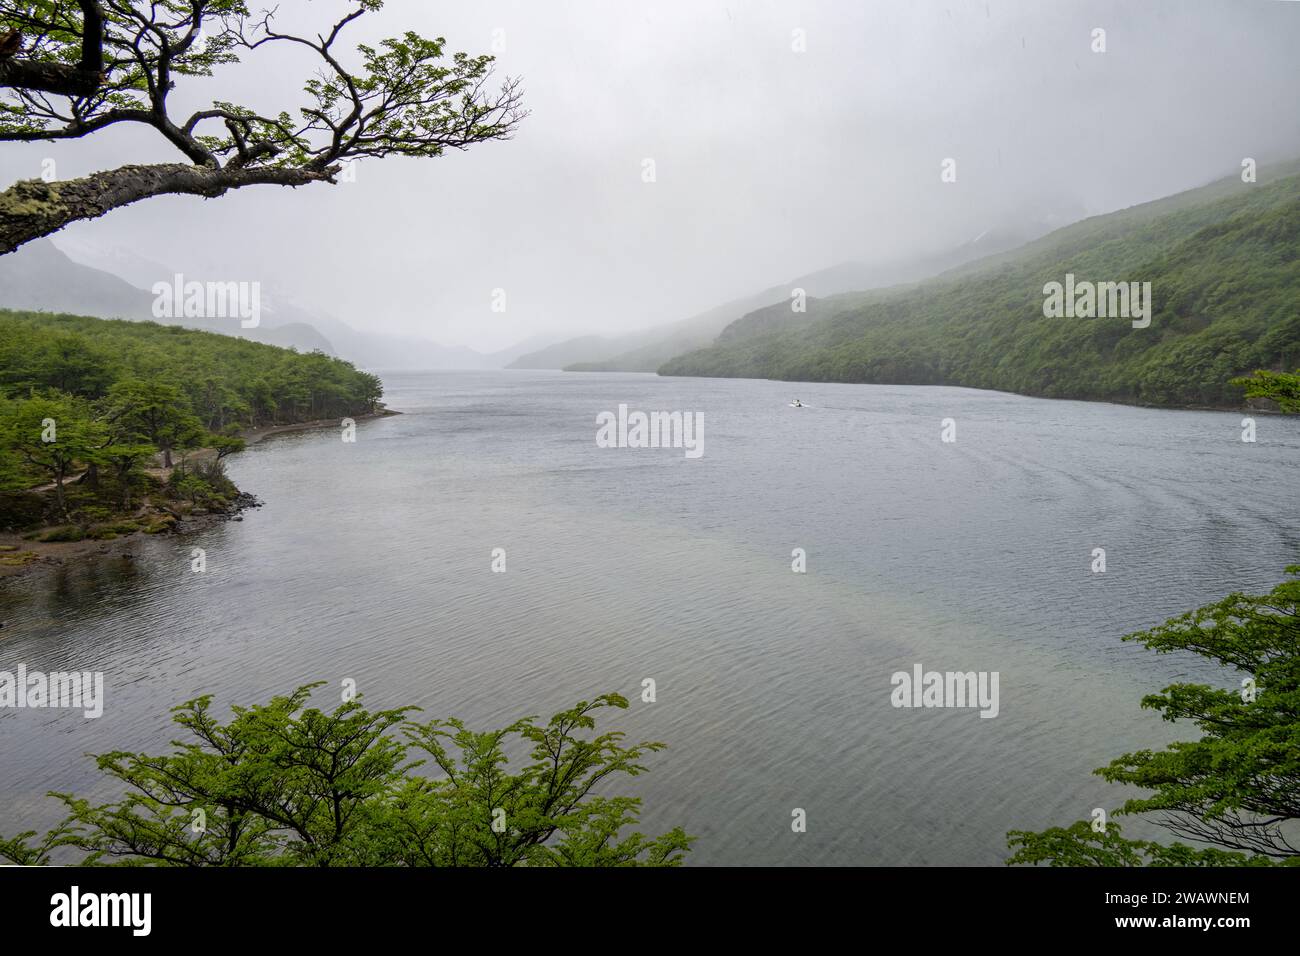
<point>64,79</point>
<point>118,61</point>
<point>32,209</point>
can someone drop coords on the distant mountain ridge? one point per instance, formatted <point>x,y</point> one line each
<point>42,277</point>
<point>1224,266</point>
<point>645,351</point>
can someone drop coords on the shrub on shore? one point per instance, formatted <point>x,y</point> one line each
<point>67,532</point>
<point>283,784</point>
<point>1234,791</point>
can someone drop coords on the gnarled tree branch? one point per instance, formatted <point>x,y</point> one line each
<point>118,61</point>
<point>34,208</point>
<point>82,78</point>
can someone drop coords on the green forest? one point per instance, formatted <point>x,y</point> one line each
<point>1224,266</point>
<point>97,417</point>
<point>286,784</point>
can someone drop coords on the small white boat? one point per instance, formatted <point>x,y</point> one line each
<point>797,404</point>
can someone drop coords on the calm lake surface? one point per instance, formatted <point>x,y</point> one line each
<point>372,561</point>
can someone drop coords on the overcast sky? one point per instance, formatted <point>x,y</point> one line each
<point>770,162</point>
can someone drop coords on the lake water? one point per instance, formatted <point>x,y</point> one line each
<point>372,561</point>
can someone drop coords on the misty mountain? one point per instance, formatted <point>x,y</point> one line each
<point>584,348</point>
<point>379,350</point>
<point>112,283</point>
<point>504,358</point>
<point>647,350</point>
<point>775,318</point>
<point>1219,261</point>
<point>39,277</point>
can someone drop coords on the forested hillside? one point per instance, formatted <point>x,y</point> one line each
<point>39,277</point>
<point>1224,268</point>
<point>107,404</point>
<point>646,351</point>
<point>223,379</point>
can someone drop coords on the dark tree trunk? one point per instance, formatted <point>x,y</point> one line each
<point>33,208</point>
<point>62,79</point>
<point>58,495</point>
<point>81,79</point>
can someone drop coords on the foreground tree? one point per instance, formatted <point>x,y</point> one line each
<point>74,69</point>
<point>1280,387</point>
<point>128,463</point>
<point>1238,787</point>
<point>54,436</point>
<point>225,444</point>
<point>372,389</point>
<point>12,477</point>
<point>153,411</point>
<point>287,785</point>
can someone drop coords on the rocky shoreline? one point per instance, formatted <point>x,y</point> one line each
<point>19,555</point>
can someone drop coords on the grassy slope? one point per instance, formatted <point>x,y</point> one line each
<point>1224,263</point>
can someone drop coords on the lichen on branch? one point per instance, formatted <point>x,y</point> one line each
<point>78,68</point>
